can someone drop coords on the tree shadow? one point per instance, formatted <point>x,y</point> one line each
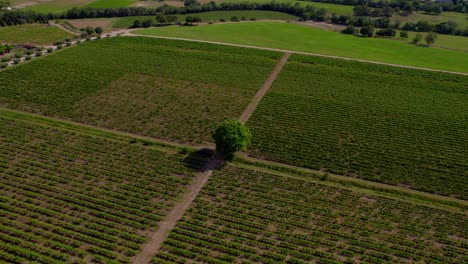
<point>198,160</point>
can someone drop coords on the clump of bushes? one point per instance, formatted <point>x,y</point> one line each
<point>28,57</point>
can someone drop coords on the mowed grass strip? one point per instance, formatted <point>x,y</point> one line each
<point>174,90</point>
<point>308,39</point>
<point>68,197</point>
<point>34,34</point>
<point>247,216</point>
<point>385,124</point>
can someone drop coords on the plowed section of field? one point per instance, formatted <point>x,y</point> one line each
<point>167,89</point>
<point>72,198</point>
<point>386,124</point>
<point>244,216</point>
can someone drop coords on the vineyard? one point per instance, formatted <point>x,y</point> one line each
<point>245,216</point>
<point>166,89</point>
<point>380,123</point>
<point>66,197</point>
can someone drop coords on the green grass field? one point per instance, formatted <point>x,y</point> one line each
<point>34,34</point>
<point>125,22</point>
<point>248,216</point>
<point>443,41</point>
<point>167,89</point>
<point>58,6</point>
<point>68,196</point>
<point>308,39</point>
<point>111,3</point>
<point>331,8</point>
<point>380,123</point>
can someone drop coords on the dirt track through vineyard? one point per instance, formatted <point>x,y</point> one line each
<point>263,90</point>
<point>150,248</point>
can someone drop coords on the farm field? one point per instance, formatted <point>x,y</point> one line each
<point>385,124</point>
<point>308,39</point>
<point>444,41</point>
<point>125,22</point>
<point>72,197</point>
<point>58,6</point>
<point>248,216</point>
<point>33,34</point>
<point>202,83</point>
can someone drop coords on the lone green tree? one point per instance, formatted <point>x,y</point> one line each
<point>231,136</point>
<point>430,38</point>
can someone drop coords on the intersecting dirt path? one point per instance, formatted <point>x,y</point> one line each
<point>150,248</point>
<point>264,89</point>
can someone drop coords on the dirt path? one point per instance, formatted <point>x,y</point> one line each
<point>150,248</point>
<point>129,33</point>
<point>264,89</point>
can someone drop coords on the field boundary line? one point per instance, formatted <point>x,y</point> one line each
<point>264,89</point>
<point>130,34</point>
<point>151,248</point>
<point>394,191</point>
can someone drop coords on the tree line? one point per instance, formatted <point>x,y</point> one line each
<point>15,17</point>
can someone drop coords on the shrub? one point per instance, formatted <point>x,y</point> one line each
<point>5,59</point>
<point>16,61</point>
<point>222,20</point>
<point>49,50</point>
<point>58,43</point>
<point>38,53</point>
<point>253,19</point>
<point>349,30</point>
<point>431,37</point>
<point>29,52</point>
<point>386,32</point>
<point>235,19</point>
<point>28,57</point>
<point>404,34</point>
<point>98,30</point>
<point>417,38</point>
<point>3,65</point>
<point>18,55</point>
<point>367,31</point>
<point>59,47</point>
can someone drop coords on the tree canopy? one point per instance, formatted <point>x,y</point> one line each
<point>231,136</point>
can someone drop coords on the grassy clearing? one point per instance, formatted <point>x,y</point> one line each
<point>34,34</point>
<point>167,89</point>
<point>57,6</point>
<point>111,3</point>
<point>443,41</point>
<point>67,196</point>
<point>309,39</point>
<point>125,22</point>
<point>380,123</point>
<point>243,215</point>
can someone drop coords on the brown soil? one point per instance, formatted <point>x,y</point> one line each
<point>80,23</point>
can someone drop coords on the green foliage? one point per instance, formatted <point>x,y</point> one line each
<point>231,136</point>
<point>384,125</point>
<point>404,34</point>
<point>266,218</point>
<point>417,38</point>
<point>430,38</point>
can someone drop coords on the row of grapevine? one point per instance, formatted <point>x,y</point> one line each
<point>245,216</point>
<point>167,89</point>
<point>66,197</point>
<point>380,123</point>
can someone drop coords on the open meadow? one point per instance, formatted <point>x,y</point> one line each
<point>59,6</point>
<point>73,197</point>
<point>380,123</point>
<point>166,89</point>
<point>249,216</point>
<point>289,36</point>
